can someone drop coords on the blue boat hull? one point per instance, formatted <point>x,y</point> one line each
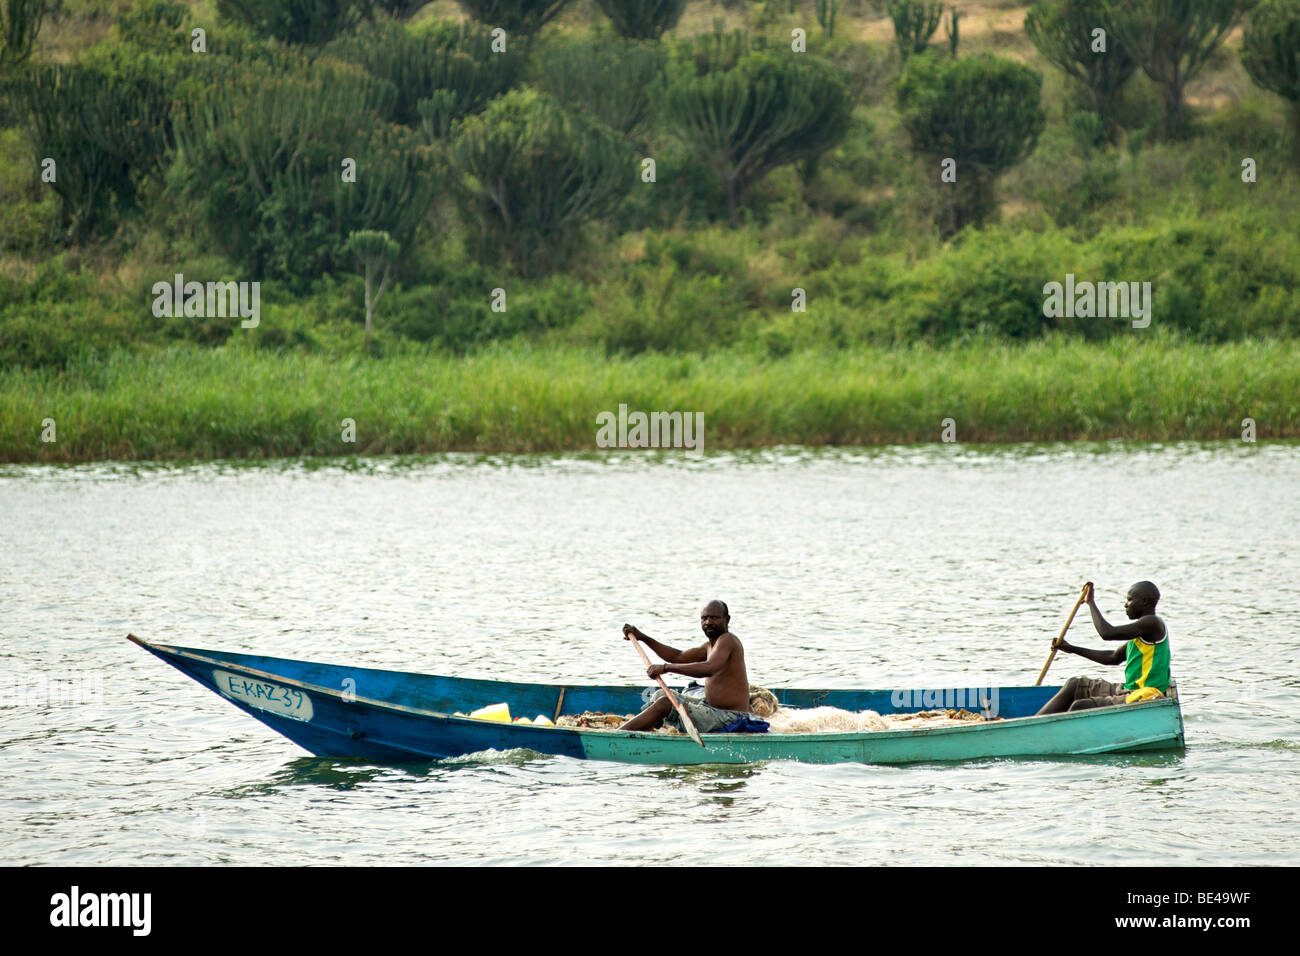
<point>398,717</point>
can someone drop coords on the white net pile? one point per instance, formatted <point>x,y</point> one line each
<point>793,720</point>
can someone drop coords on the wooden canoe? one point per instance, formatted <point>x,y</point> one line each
<point>397,717</point>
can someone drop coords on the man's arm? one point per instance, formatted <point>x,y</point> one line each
<point>707,666</point>
<point>1097,657</point>
<point>1147,627</point>
<point>669,654</point>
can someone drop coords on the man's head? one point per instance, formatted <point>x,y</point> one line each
<point>1142,598</point>
<point>714,619</point>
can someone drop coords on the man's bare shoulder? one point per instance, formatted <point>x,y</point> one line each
<point>731,639</point>
<point>1155,628</point>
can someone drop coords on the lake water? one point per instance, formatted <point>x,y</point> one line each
<point>942,565</point>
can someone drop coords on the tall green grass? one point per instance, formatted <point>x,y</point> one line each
<point>189,402</point>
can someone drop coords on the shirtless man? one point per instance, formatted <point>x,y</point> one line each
<point>1145,656</point>
<point>721,662</point>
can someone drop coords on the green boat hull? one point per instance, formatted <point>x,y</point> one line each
<point>1134,727</point>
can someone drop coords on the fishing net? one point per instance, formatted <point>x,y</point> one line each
<point>830,720</point>
<point>793,720</point>
<point>593,720</point>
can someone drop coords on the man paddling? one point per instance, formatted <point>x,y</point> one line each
<point>1145,656</point>
<point>721,662</point>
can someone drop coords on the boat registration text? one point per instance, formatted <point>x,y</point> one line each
<point>272,698</point>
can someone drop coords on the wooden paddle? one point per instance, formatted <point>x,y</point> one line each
<point>1083,594</point>
<point>672,698</point>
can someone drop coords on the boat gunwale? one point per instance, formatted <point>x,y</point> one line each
<point>641,735</point>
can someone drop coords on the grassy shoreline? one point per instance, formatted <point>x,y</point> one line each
<point>188,403</point>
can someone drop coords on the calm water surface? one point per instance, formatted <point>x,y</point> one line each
<point>885,568</point>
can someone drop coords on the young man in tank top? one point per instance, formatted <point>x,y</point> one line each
<point>1145,656</point>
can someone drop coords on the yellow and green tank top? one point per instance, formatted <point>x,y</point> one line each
<point>1147,665</point>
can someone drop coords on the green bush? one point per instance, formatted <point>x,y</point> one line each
<point>155,25</point>
<point>531,175</point>
<point>1062,31</point>
<point>1270,52</point>
<point>685,192</point>
<point>47,322</point>
<point>767,111</point>
<point>716,50</point>
<point>642,19</point>
<point>1213,280</point>
<point>298,22</point>
<point>914,24</point>
<point>261,151</point>
<point>686,294</point>
<point>983,288</point>
<point>1172,40</point>
<point>608,81</point>
<point>20,22</point>
<point>104,130</point>
<point>453,311</point>
<point>1209,281</point>
<point>26,210</point>
<point>455,61</point>
<point>983,112</point>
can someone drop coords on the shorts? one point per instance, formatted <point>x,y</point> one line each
<point>707,718</point>
<point>1103,692</point>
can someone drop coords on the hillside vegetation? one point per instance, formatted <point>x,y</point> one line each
<point>782,184</point>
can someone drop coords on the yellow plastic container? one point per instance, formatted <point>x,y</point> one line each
<point>522,720</point>
<point>544,720</point>
<point>497,712</point>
